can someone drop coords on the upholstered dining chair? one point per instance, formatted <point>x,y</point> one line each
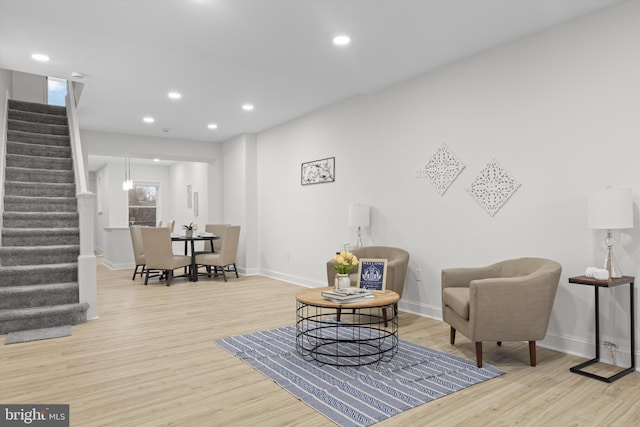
<point>507,301</point>
<point>159,254</point>
<point>217,230</point>
<point>397,266</point>
<point>225,258</point>
<point>138,249</point>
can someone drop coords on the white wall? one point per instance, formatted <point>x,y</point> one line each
<point>29,87</point>
<point>559,110</point>
<point>240,198</point>
<point>199,164</point>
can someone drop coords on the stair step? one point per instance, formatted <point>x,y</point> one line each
<point>36,117</point>
<point>35,138</point>
<point>42,317</point>
<point>33,255</point>
<point>37,107</point>
<point>30,149</point>
<point>39,162</point>
<point>40,220</point>
<point>39,189</point>
<point>40,236</point>
<point>17,297</point>
<point>40,204</point>
<point>37,128</point>
<point>27,275</point>
<point>38,175</point>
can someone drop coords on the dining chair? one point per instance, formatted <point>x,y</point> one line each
<point>159,254</point>
<point>225,258</point>
<point>138,250</point>
<point>217,230</point>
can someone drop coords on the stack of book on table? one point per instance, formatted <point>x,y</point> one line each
<point>347,295</point>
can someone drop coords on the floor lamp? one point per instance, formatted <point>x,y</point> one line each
<point>359,217</point>
<point>610,209</point>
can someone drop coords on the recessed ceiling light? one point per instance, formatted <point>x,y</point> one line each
<point>341,40</point>
<point>148,120</point>
<point>175,95</point>
<point>77,75</point>
<point>212,126</point>
<point>39,57</point>
<point>156,160</point>
<point>247,107</point>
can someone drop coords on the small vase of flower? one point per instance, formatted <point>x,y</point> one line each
<point>188,229</point>
<point>344,262</point>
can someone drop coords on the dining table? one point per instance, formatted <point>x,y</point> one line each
<point>189,242</point>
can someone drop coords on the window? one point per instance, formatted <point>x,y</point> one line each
<point>56,91</point>
<point>143,199</point>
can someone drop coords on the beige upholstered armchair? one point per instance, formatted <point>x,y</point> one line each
<point>397,265</point>
<point>507,301</point>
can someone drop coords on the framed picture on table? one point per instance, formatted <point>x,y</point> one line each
<point>372,274</point>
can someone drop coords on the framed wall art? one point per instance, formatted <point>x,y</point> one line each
<point>318,171</point>
<point>195,204</point>
<point>372,274</point>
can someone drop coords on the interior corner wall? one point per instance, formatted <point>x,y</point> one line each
<point>558,110</point>
<point>29,87</point>
<point>239,197</point>
<point>181,175</point>
<point>5,82</point>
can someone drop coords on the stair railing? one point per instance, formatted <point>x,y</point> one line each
<point>86,211</point>
<point>4,115</point>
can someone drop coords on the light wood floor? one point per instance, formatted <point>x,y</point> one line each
<point>150,360</point>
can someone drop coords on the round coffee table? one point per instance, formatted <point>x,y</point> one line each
<point>346,334</point>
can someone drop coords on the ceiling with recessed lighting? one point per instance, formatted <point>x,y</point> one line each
<point>278,56</point>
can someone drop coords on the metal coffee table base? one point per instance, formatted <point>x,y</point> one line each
<point>359,338</point>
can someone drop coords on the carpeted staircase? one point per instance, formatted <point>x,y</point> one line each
<point>40,237</point>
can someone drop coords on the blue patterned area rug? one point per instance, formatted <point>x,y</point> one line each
<point>358,396</point>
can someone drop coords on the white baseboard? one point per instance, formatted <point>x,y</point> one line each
<point>118,266</point>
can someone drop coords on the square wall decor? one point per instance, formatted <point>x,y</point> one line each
<point>442,169</point>
<point>493,187</point>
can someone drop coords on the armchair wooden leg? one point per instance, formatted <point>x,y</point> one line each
<point>479,354</point>
<point>135,272</point>
<point>452,336</point>
<point>532,352</point>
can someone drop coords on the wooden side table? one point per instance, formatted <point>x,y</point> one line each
<point>597,284</point>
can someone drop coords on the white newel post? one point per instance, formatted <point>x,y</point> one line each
<point>87,259</point>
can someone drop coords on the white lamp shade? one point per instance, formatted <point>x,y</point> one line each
<point>359,215</point>
<point>611,208</point>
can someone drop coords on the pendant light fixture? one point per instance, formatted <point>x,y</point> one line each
<point>127,184</point>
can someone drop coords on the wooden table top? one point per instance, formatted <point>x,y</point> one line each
<point>314,297</point>
<point>613,281</point>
